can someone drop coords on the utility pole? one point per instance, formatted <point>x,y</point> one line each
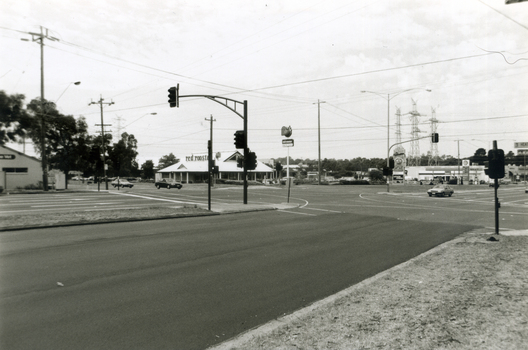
<point>210,161</point>
<point>319,137</point>
<point>101,103</point>
<point>39,37</point>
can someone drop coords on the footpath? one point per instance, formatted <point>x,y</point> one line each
<point>468,293</point>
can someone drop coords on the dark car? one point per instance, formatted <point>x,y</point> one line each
<point>440,190</point>
<point>168,185</point>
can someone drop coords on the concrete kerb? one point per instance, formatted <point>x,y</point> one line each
<point>225,208</point>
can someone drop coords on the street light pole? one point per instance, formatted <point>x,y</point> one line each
<point>388,120</point>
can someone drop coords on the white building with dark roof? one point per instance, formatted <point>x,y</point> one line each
<point>194,168</point>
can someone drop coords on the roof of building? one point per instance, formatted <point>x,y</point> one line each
<point>19,153</point>
<point>198,163</point>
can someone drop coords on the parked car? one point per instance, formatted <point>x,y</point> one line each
<point>440,190</point>
<point>121,183</point>
<point>168,185</point>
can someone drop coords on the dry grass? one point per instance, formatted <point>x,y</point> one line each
<point>469,294</point>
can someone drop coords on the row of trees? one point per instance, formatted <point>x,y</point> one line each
<point>68,145</point>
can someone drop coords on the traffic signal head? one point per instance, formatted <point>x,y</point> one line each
<point>173,96</point>
<point>434,137</point>
<point>251,162</point>
<point>496,163</point>
<point>240,139</point>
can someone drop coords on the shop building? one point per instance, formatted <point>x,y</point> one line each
<point>194,169</point>
<point>18,170</point>
<point>468,173</point>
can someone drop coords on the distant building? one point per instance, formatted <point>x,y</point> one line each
<point>194,168</point>
<point>473,173</point>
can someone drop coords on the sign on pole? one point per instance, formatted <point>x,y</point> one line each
<point>520,144</point>
<point>287,143</point>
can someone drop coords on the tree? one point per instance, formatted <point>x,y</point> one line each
<point>147,170</point>
<point>123,156</point>
<point>14,119</point>
<point>67,140</point>
<point>68,146</point>
<point>167,160</point>
<point>480,157</point>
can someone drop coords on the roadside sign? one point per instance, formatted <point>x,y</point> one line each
<point>286,131</point>
<point>7,156</point>
<point>520,144</point>
<point>465,162</point>
<point>287,142</point>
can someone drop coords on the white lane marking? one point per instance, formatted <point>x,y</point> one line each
<point>331,211</point>
<point>293,212</point>
<point>156,199</point>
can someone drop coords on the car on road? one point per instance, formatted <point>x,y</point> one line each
<point>440,190</point>
<point>168,185</point>
<point>121,183</point>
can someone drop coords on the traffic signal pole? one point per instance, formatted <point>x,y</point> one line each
<point>174,98</point>
<point>246,153</point>
<point>497,204</point>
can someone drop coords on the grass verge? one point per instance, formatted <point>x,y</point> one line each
<point>468,294</point>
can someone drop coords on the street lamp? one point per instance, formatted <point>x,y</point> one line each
<point>144,115</point>
<point>75,83</point>
<point>388,98</point>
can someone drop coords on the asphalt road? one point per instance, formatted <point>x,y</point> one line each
<point>190,283</point>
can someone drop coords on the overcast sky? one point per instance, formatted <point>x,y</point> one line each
<point>282,57</point>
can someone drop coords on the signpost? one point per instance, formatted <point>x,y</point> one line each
<point>287,131</point>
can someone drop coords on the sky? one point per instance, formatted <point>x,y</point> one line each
<point>297,63</point>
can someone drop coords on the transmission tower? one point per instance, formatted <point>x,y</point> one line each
<point>398,125</point>
<point>433,154</point>
<point>414,155</point>
<point>119,128</point>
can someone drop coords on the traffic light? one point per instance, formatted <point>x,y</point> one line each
<point>496,163</point>
<point>251,162</point>
<point>434,137</point>
<point>173,96</point>
<point>240,139</point>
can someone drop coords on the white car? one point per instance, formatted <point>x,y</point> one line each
<point>440,190</point>
<point>121,183</point>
